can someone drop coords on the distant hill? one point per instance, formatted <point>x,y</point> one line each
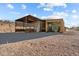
<point>7,26</point>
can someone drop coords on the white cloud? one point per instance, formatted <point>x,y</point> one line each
<point>47,9</point>
<point>26,14</point>
<point>49,6</point>
<point>34,15</point>
<point>56,15</point>
<point>23,6</point>
<point>74,22</point>
<point>51,17</point>
<point>60,4</point>
<point>0,18</point>
<point>10,6</point>
<point>74,11</point>
<point>62,14</point>
<point>75,16</point>
<point>43,17</point>
<point>31,14</point>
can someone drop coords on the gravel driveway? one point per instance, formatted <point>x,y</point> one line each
<point>43,44</point>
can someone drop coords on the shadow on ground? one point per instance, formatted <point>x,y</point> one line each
<point>15,37</point>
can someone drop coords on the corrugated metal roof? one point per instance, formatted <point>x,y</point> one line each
<point>35,18</point>
<point>28,16</point>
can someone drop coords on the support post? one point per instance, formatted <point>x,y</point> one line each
<point>46,26</point>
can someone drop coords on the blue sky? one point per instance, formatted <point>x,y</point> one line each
<point>67,11</point>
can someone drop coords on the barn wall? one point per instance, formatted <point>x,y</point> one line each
<point>38,26</point>
<point>59,22</point>
<point>19,26</point>
<point>28,26</point>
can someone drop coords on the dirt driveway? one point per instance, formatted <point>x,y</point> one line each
<point>43,44</point>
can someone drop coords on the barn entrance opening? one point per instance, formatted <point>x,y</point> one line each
<point>52,27</point>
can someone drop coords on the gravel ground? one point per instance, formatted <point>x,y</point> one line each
<point>43,44</point>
